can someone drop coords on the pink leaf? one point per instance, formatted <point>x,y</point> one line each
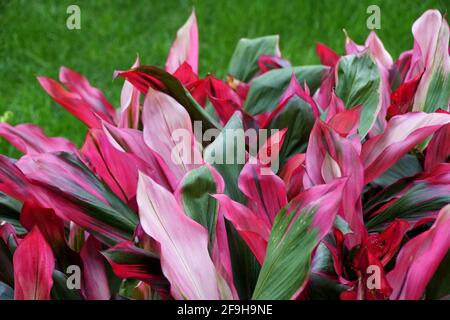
<point>335,106</point>
<point>78,84</point>
<point>185,46</point>
<point>326,199</point>
<point>292,174</point>
<point>438,150</point>
<point>95,284</point>
<point>252,228</point>
<point>33,267</point>
<point>13,182</point>
<point>129,104</point>
<point>185,258</point>
<point>132,142</point>
<point>118,169</point>
<point>330,156</point>
<point>265,191</point>
<point>430,57</point>
<point>401,135</point>
<point>70,101</point>
<point>30,139</point>
<point>63,183</point>
<point>402,66</point>
<point>168,131</point>
<point>271,148</point>
<point>347,122</point>
<point>419,259</point>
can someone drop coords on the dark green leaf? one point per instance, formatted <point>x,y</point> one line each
<point>244,264</point>
<point>297,116</point>
<point>244,63</point>
<point>60,290</point>
<point>10,211</point>
<point>321,287</point>
<point>418,202</point>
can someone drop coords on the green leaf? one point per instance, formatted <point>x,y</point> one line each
<point>244,264</point>
<point>196,190</point>
<point>297,116</point>
<point>244,63</point>
<point>359,84</point>
<point>10,212</point>
<point>438,94</point>
<point>407,166</point>
<point>287,263</point>
<point>60,291</point>
<point>266,90</point>
<point>439,286</point>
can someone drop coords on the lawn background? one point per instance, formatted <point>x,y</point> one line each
<point>34,41</point>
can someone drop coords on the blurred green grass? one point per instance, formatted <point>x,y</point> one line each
<point>34,41</point>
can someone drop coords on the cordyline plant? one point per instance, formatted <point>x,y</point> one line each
<point>359,208</point>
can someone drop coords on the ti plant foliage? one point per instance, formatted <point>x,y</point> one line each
<point>359,207</point>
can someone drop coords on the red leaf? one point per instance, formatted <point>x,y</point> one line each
<point>327,56</point>
<point>403,97</point>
